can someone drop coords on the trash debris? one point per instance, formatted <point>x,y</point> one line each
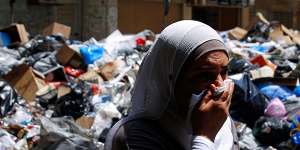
<point>271,131</point>
<point>59,93</point>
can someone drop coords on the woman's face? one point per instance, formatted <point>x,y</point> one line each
<point>197,75</point>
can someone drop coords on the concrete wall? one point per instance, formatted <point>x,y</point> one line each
<point>100,18</point>
<point>137,15</point>
<point>88,18</point>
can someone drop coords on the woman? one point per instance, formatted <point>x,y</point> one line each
<point>174,105</point>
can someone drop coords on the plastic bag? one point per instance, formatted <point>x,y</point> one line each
<point>8,97</point>
<point>239,66</point>
<point>246,139</point>
<point>275,91</point>
<point>44,44</point>
<point>8,60</point>
<point>258,33</point>
<point>271,131</point>
<point>73,104</point>
<point>104,117</point>
<point>43,62</point>
<point>62,134</point>
<point>247,103</point>
<point>91,53</point>
<point>275,109</point>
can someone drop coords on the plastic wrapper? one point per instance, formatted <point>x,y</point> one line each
<point>247,103</point>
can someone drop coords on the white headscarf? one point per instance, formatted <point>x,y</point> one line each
<point>154,89</point>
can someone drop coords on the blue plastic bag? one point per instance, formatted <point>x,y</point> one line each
<point>297,91</point>
<point>5,39</point>
<point>273,91</point>
<point>91,53</point>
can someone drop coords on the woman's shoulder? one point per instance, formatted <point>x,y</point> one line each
<point>147,134</point>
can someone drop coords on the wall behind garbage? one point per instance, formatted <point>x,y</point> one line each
<point>88,18</point>
<point>137,15</point>
<point>286,11</point>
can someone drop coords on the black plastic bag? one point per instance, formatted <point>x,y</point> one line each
<point>239,66</point>
<point>258,33</point>
<point>44,44</point>
<point>77,102</point>
<point>247,103</point>
<point>73,104</point>
<point>271,130</point>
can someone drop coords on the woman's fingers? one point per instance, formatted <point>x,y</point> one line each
<point>226,96</point>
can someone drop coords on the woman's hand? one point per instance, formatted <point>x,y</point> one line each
<point>210,114</point>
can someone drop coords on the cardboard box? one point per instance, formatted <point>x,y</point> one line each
<point>24,81</point>
<point>56,74</point>
<point>68,56</point>
<point>85,122</point>
<point>57,28</point>
<point>17,33</point>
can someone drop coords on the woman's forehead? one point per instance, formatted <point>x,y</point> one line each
<point>213,58</point>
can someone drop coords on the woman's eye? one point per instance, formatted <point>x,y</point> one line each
<point>224,71</point>
<point>207,76</point>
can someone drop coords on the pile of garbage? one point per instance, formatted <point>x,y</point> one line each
<point>265,68</point>
<point>58,93</point>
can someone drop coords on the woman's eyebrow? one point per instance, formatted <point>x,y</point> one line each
<point>225,67</point>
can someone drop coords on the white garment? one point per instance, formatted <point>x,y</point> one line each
<point>223,140</point>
